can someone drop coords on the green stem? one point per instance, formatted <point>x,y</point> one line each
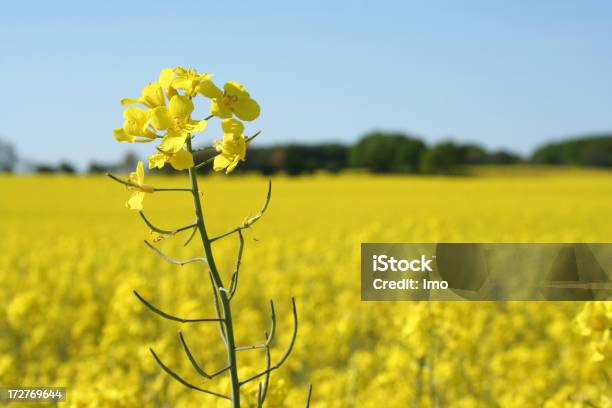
<point>129,184</point>
<point>225,304</point>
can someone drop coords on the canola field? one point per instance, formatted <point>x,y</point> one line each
<point>71,254</point>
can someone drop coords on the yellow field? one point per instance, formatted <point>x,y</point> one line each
<point>70,255</point>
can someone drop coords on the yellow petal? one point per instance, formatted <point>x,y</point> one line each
<point>180,107</point>
<point>157,160</point>
<point>242,149</point>
<point>221,162</point>
<point>198,125</point>
<point>239,148</point>
<point>218,109</point>
<point>132,179</point>
<point>153,95</point>
<point>180,71</point>
<point>173,142</point>
<point>182,160</point>
<point>134,202</point>
<point>233,88</point>
<point>171,92</point>
<point>166,76</point>
<point>246,109</point>
<point>121,136</point>
<point>183,84</point>
<point>188,85</point>
<point>161,118</point>
<point>136,114</point>
<point>136,122</point>
<point>140,172</point>
<point>218,145</point>
<point>233,127</point>
<point>232,165</point>
<point>209,89</point>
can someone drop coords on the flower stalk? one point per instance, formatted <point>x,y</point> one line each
<point>218,286</point>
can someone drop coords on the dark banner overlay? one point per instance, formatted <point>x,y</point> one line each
<point>470,271</point>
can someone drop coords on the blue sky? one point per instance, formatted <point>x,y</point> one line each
<point>507,74</point>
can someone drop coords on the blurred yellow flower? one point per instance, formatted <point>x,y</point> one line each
<point>233,99</point>
<point>594,317</point>
<point>135,127</point>
<point>232,148</point>
<point>602,349</point>
<point>595,322</point>
<point>138,188</point>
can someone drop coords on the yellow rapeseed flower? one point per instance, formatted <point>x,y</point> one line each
<point>602,349</point>
<point>594,317</point>
<point>187,80</point>
<point>181,160</point>
<point>233,99</point>
<point>152,94</point>
<point>232,149</point>
<point>595,322</point>
<point>138,188</point>
<point>135,127</point>
<point>176,120</point>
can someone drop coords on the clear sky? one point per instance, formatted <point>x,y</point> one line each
<point>507,74</point>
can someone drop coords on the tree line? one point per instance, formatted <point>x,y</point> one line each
<point>395,152</point>
<point>377,152</point>
<point>593,151</point>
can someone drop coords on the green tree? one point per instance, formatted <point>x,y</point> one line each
<point>473,154</point>
<point>504,157</point>
<point>443,158</point>
<point>382,152</point>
